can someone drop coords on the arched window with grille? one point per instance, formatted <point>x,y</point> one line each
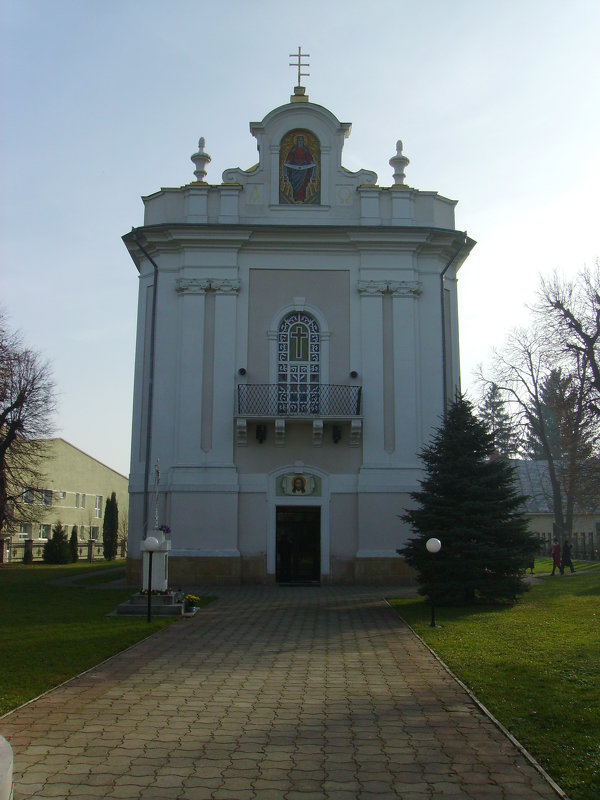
<point>298,364</point>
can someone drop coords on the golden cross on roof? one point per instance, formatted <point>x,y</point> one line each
<point>299,56</point>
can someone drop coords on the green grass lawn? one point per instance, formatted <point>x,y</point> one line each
<point>51,633</point>
<point>535,666</point>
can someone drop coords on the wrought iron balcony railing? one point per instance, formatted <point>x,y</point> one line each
<point>268,400</point>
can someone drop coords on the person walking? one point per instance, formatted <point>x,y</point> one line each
<point>566,558</point>
<point>555,553</point>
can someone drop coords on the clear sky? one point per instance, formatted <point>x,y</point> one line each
<point>102,101</point>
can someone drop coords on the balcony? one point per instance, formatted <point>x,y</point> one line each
<point>316,403</point>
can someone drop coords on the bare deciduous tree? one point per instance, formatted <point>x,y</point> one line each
<point>545,382</point>
<point>570,311</point>
<point>26,410</point>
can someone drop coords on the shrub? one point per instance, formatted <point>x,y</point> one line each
<point>56,549</point>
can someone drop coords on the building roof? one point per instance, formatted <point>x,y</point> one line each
<point>533,478</point>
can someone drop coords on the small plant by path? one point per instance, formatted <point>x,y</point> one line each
<point>534,665</point>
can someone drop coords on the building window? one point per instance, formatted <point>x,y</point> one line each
<point>45,532</point>
<point>25,527</point>
<point>77,500</point>
<point>298,364</point>
<point>94,533</point>
<point>98,507</point>
<point>28,496</point>
<point>82,500</point>
<point>46,497</point>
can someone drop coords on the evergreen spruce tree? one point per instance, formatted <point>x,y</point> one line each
<point>110,527</point>
<point>56,549</point>
<point>494,416</point>
<point>74,544</point>
<point>468,500</point>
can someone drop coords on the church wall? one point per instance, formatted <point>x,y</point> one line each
<point>204,522</point>
<point>379,525</point>
<point>252,544</point>
<point>365,261</point>
<point>344,529</point>
<point>266,457</point>
<point>380,533</point>
<point>271,290</point>
<point>344,537</point>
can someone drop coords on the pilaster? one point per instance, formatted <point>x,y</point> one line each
<point>192,294</point>
<point>406,377</point>
<point>371,297</point>
<point>224,360</point>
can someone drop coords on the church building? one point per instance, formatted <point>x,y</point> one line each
<point>297,343</point>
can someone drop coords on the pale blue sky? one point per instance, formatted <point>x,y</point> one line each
<point>102,101</point>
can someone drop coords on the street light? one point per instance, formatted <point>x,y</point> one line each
<point>433,546</point>
<point>151,545</point>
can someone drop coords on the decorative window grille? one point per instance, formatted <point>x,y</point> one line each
<point>298,364</point>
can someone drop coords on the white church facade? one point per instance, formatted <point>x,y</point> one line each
<point>297,342</point>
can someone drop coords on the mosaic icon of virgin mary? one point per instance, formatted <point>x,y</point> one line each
<point>299,172</point>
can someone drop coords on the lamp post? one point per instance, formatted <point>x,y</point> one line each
<point>151,546</point>
<point>433,546</point>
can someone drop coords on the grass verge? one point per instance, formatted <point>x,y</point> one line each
<point>534,666</point>
<point>51,632</point>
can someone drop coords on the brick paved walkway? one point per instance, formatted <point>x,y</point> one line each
<point>269,693</point>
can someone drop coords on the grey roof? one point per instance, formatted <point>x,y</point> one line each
<point>533,480</point>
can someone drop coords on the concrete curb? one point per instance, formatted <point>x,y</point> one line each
<point>6,770</point>
<point>526,754</point>
<point>76,677</point>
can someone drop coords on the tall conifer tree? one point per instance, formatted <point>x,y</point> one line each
<point>110,527</point>
<point>469,501</point>
<point>74,544</point>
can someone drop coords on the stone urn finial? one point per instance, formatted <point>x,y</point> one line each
<point>200,159</point>
<point>399,162</point>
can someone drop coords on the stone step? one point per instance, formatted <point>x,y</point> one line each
<point>158,610</point>
<point>162,605</point>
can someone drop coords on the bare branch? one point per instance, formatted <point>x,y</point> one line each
<point>26,408</point>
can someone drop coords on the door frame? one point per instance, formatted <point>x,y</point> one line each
<point>299,508</point>
<point>273,501</point>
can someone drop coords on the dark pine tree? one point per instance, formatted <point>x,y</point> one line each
<point>56,549</point>
<point>74,544</point>
<point>110,527</point>
<point>494,416</point>
<point>468,500</point>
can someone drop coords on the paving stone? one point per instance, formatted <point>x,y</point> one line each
<point>305,693</point>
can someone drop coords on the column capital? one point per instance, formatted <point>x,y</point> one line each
<point>395,288</point>
<point>372,288</point>
<point>192,285</point>
<point>203,285</point>
<point>405,288</point>
<point>225,285</point>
